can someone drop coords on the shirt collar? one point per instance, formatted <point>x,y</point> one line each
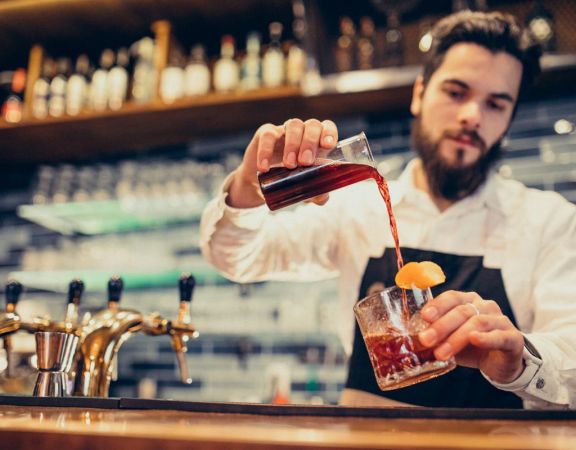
<point>488,195</point>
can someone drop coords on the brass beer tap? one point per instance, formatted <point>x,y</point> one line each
<point>11,322</point>
<point>86,351</point>
<point>105,332</point>
<point>101,338</point>
<point>181,331</point>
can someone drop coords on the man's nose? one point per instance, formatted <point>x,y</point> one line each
<point>470,115</point>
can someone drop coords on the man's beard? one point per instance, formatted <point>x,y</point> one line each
<point>453,183</point>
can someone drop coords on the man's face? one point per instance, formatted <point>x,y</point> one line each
<point>461,116</point>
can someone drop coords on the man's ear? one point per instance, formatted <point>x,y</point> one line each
<point>417,93</point>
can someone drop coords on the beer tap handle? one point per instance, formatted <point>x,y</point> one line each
<point>181,329</point>
<point>75,291</point>
<point>115,287</point>
<point>13,292</point>
<point>186,286</point>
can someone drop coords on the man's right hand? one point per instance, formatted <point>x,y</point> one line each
<point>294,143</point>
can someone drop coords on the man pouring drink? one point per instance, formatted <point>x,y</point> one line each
<point>506,313</point>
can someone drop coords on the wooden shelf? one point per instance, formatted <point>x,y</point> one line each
<point>137,128</point>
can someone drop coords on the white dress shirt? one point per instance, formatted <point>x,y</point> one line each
<point>529,234</point>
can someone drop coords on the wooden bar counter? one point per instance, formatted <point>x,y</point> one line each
<point>131,424</point>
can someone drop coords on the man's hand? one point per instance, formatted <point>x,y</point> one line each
<point>476,332</point>
<point>293,144</point>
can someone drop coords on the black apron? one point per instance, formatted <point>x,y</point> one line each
<point>462,387</point>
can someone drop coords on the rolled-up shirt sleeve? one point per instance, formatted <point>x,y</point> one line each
<point>252,244</point>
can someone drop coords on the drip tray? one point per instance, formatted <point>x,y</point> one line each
<point>288,410</point>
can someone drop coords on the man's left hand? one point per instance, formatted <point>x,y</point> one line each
<point>476,332</point>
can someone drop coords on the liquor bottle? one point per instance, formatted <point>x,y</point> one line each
<point>197,73</point>
<point>58,86</point>
<point>252,63</point>
<point>472,5</point>
<point>5,86</point>
<point>296,60</point>
<point>273,61</point>
<point>13,104</point>
<point>118,80</point>
<point>99,85</point>
<point>540,23</point>
<point>77,87</point>
<point>425,34</point>
<point>365,44</point>
<point>226,70</point>
<point>41,89</point>
<point>344,52</point>
<point>394,41</point>
<point>172,79</point>
<point>144,82</point>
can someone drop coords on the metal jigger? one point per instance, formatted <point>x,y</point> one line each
<point>55,352</point>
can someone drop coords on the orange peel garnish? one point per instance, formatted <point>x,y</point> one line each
<point>423,275</point>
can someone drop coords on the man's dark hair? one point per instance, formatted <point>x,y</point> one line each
<point>497,32</point>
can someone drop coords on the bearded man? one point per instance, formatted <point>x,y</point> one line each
<point>507,311</point>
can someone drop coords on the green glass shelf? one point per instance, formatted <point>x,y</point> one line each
<point>111,216</point>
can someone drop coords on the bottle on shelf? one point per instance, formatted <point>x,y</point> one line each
<point>226,70</point>
<point>425,35</point>
<point>144,81</point>
<point>540,22</point>
<point>77,87</point>
<point>344,52</point>
<point>99,84</point>
<point>296,60</point>
<point>273,61</point>
<point>366,44</point>
<point>472,5</point>
<point>197,73</point>
<point>58,87</point>
<point>394,41</point>
<point>172,79</point>
<point>41,89</point>
<point>118,79</point>
<point>252,63</point>
<point>12,106</point>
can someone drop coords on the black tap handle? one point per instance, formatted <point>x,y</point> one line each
<point>75,291</point>
<point>13,292</point>
<point>186,285</point>
<point>115,286</point>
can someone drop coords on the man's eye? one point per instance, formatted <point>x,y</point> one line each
<point>455,94</point>
<point>495,106</point>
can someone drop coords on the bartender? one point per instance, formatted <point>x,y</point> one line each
<point>507,311</point>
